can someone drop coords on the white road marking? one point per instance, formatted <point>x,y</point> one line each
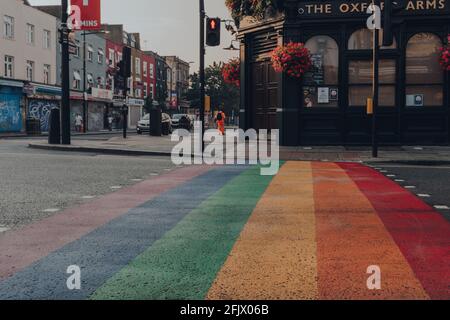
<point>424,195</point>
<point>383,171</point>
<point>136,180</point>
<point>154,174</point>
<point>3,228</point>
<point>307,148</point>
<point>442,207</point>
<point>88,197</point>
<point>51,210</point>
<point>116,187</point>
<point>410,187</point>
<point>391,175</point>
<point>399,180</point>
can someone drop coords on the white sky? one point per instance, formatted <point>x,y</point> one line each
<point>169,27</point>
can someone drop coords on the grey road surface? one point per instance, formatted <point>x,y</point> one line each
<point>36,184</point>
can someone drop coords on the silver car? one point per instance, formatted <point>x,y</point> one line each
<point>143,125</point>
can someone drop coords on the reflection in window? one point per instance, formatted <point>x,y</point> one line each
<point>424,76</point>
<point>321,83</point>
<point>362,39</point>
<point>360,82</point>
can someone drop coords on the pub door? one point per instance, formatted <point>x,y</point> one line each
<point>264,91</point>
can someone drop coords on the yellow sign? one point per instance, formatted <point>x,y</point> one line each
<point>207,103</point>
<point>369,106</point>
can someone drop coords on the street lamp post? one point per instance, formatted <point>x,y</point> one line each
<point>202,68</point>
<point>65,87</point>
<point>375,89</point>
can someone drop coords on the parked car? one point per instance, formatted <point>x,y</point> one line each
<point>182,121</point>
<point>144,124</point>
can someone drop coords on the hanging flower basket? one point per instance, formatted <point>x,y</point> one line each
<point>231,72</point>
<point>252,8</point>
<point>445,55</point>
<point>293,59</point>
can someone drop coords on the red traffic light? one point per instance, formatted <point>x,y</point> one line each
<point>212,24</point>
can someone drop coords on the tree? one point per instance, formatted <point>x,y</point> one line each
<point>223,95</point>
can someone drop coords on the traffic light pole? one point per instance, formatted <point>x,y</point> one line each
<point>65,99</point>
<point>202,68</point>
<point>375,89</point>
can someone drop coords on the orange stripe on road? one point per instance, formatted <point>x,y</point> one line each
<point>350,238</point>
<point>275,255</point>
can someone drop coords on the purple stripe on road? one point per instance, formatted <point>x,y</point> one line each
<point>20,248</point>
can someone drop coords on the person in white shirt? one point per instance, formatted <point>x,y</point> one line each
<point>78,123</point>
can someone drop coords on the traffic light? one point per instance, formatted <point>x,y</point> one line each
<point>391,7</point>
<point>125,66</point>
<point>213,32</point>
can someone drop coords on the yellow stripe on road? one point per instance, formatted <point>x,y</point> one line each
<point>275,255</point>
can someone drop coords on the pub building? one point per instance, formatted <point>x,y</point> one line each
<point>327,106</point>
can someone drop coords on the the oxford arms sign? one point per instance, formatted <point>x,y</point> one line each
<point>348,8</point>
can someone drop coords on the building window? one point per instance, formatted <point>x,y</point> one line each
<point>77,49</point>
<point>125,38</point>
<point>145,90</point>
<point>90,54</point>
<point>424,76</point>
<point>8,27</point>
<point>145,68</point>
<point>47,39</point>
<point>46,73</point>
<point>152,95</point>
<point>100,56</point>
<point>76,80</point>
<point>360,82</point>
<point>9,67</point>
<point>30,33</point>
<point>90,80</point>
<point>152,71</point>
<point>362,39</point>
<point>30,70</point>
<point>137,66</point>
<point>321,83</point>
<point>111,58</point>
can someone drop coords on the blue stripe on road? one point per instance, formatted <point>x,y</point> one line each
<point>111,247</point>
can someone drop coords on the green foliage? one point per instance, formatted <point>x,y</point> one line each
<point>223,95</point>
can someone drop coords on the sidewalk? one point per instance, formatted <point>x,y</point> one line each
<point>162,146</point>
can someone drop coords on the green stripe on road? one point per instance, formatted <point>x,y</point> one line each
<point>184,263</point>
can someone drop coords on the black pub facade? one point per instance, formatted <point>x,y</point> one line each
<point>328,105</point>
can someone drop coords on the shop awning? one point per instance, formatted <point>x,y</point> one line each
<point>76,75</point>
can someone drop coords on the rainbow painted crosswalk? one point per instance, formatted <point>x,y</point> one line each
<point>226,232</point>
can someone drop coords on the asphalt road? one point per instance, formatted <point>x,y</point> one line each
<point>36,184</point>
<point>430,183</point>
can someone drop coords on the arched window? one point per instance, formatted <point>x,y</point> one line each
<point>424,76</point>
<point>362,39</point>
<point>321,83</point>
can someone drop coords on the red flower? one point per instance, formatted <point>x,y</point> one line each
<point>231,72</point>
<point>293,59</point>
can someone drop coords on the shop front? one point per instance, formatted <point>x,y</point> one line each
<point>11,113</point>
<point>41,99</point>
<point>327,105</point>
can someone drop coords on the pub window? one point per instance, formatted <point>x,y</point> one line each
<point>360,82</point>
<point>321,83</point>
<point>362,39</point>
<point>424,76</point>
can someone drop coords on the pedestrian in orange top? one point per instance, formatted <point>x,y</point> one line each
<point>220,120</point>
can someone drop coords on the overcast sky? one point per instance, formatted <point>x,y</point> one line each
<point>169,27</point>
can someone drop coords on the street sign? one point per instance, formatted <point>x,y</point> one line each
<point>86,14</point>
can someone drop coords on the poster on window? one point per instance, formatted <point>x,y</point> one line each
<point>323,95</point>
<point>316,76</point>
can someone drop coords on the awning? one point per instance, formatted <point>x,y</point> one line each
<point>76,75</point>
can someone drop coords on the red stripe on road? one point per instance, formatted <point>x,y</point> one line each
<point>18,249</point>
<point>421,233</point>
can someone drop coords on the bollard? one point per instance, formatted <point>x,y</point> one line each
<point>155,122</point>
<point>54,128</point>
